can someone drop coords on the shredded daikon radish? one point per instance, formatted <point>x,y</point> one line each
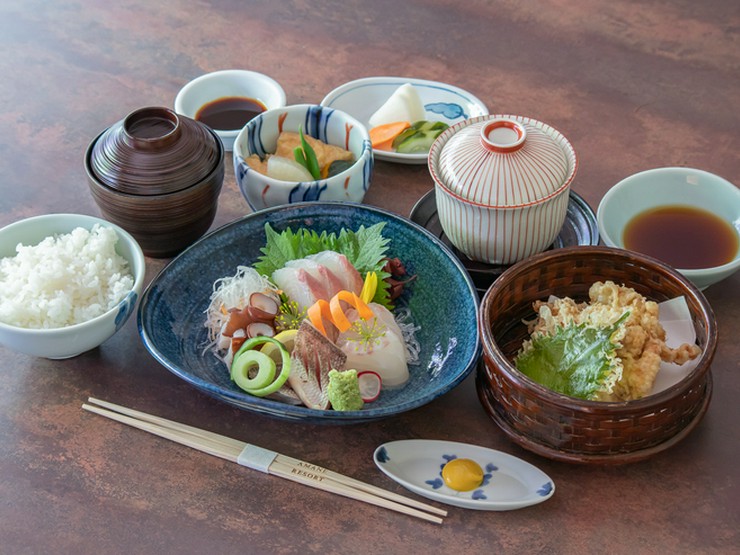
<point>233,292</point>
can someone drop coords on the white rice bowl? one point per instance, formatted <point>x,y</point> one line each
<point>68,282</point>
<point>63,280</point>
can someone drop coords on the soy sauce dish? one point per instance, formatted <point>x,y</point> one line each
<point>687,218</point>
<point>226,100</point>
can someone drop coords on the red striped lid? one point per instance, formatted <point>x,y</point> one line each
<point>502,160</point>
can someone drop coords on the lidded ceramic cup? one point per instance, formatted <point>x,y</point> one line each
<point>502,186</point>
<point>158,175</point>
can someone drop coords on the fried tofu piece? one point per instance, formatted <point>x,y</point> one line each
<point>257,164</point>
<point>325,154</point>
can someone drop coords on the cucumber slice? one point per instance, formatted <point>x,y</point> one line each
<point>419,137</point>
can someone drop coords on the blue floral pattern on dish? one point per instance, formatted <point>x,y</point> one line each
<point>449,110</point>
<point>545,490</point>
<point>382,455</point>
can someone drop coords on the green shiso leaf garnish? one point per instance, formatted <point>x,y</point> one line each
<point>576,360</point>
<point>365,249</point>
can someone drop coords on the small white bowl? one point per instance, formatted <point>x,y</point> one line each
<point>227,83</point>
<point>70,341</point>
<point>334,127</point>
<point>671,187</point>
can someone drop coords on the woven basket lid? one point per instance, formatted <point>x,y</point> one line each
<point>502,161</point>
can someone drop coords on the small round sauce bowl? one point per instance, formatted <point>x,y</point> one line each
<point>675,188</point>
<point>234,90</point>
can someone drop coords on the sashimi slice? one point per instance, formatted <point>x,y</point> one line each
<point>296,284</point>
<point>386,355</point>
<point>318,276</point>
<point>339,265</point>
<point>313,357</point>
<point>327,283</point>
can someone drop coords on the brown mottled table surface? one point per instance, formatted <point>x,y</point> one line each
<point>633,85</point>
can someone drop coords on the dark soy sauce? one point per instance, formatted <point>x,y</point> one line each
<point>229,113</point>
<point>683,236</point>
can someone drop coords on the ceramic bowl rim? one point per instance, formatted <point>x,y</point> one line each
<point>716,180</point>
<point>138,270</point>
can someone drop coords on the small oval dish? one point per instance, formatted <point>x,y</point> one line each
<point>442,102</point>
<point>508,482</point>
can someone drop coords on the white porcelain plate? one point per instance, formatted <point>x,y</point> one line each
<point>361,98</point>
<point>509,482</point>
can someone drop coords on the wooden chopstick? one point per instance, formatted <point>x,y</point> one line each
<point>280,465</point>
<point>234,447</point>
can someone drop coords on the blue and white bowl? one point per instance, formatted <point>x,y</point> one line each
<point>334,127</point>
<point>72,340</point>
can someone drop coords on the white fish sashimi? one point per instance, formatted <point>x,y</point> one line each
<point>298,285</point>
<point>327,283</point>
<point>386,354</point>
<point>318,276</point>
<point>342,268</point>
<point>403,105</point>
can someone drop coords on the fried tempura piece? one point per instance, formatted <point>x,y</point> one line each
<point>641,340</point>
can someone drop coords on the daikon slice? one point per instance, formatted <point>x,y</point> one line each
<point>286,169</point>
<point>403,105</point>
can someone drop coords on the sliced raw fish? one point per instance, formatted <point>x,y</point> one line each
<point>313,357</point>
<point>386,354</point>
<point>318,276</point>
<point>341,267</point>
<point>299,285</point>
<point>327,283</point>
<point>286,395</point>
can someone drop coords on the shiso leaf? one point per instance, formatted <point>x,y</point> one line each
<point>576,360</point>
<point>365,249</point>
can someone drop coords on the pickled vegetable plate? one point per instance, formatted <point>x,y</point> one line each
<point>442,102</point>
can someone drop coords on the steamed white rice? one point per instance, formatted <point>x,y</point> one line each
<point>64,280</point>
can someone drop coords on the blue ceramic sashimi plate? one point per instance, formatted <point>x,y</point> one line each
<point>442,300</point>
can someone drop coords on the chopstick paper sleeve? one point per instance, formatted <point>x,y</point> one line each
<point>256,457</point>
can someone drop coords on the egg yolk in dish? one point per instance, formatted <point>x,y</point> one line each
<point>462,474</point>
